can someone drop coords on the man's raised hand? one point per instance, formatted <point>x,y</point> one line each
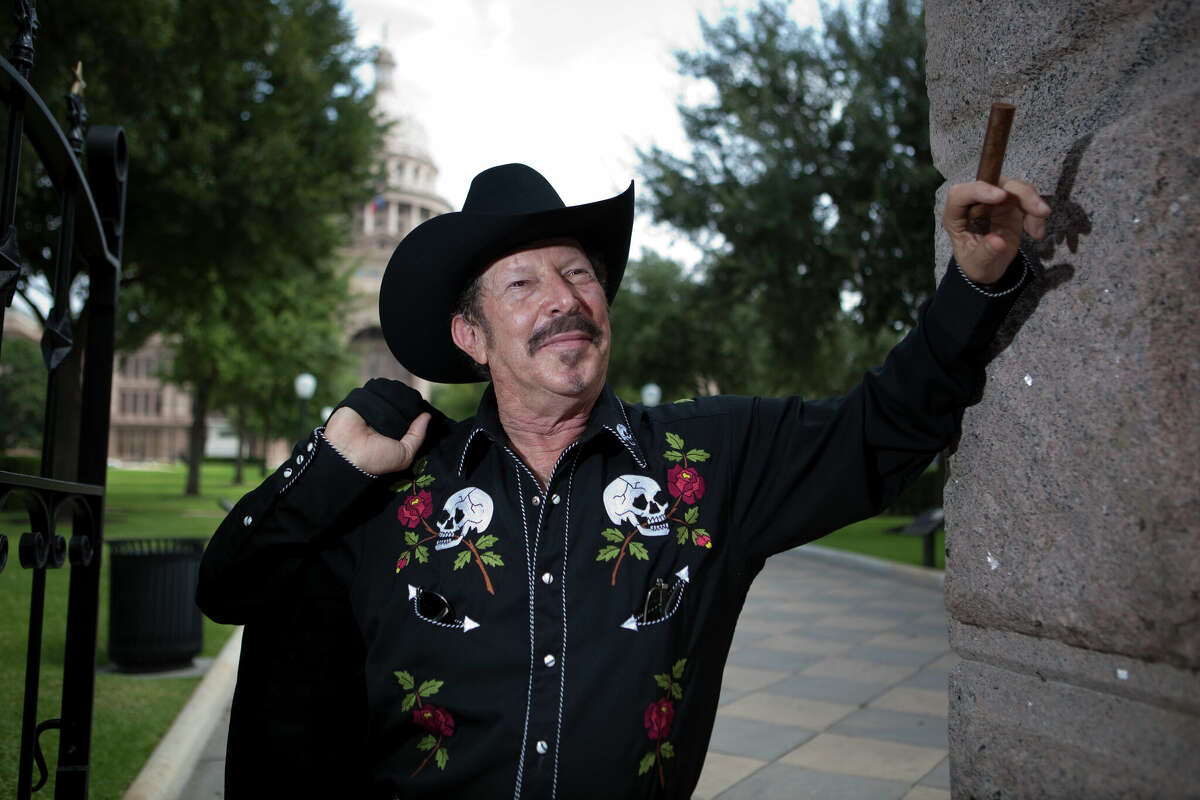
<point>1015,206</point>
<point>370,450</point>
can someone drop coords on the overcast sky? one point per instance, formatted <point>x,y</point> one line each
<point>570,88</point>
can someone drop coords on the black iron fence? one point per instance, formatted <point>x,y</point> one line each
<point>68,494</point>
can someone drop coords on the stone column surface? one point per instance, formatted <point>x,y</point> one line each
<point>1073,503</point>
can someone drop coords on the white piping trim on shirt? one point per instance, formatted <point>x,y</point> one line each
<point>1020,283</point>
<point>529,688</point>
<point>562,656</point>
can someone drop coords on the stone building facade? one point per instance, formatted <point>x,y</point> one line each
<point>1073,505</point>
<point>150,419</point>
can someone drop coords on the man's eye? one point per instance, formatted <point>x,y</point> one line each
<point>517,284</point>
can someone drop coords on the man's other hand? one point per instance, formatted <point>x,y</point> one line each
<point>1014,208</point>
<point>370,450</point>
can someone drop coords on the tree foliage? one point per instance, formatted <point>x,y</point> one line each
<point>809,176</point>
<point>250,138</point>
<point>22,395</point>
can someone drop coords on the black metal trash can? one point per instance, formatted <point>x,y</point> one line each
<point>153,620</point>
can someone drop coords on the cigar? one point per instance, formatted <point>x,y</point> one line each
<point>991,160</point>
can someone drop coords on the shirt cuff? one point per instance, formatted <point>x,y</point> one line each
<point>320,483</point>
<point>963,316</point>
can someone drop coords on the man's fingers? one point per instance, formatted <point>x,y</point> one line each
<point>964,195</point>
<point>411,441</point>
<point>1027,196</point>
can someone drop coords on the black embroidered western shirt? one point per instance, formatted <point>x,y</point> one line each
<point>569,642</point>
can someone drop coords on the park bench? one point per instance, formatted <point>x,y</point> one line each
<point>926,525</point>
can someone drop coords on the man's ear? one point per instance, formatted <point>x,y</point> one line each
<point>469,338</point>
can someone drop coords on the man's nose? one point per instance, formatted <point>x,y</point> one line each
<point>561,296</point>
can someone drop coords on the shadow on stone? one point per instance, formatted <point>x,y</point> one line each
<point>1068,221</point>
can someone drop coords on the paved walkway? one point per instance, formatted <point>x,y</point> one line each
<point>836,688</point>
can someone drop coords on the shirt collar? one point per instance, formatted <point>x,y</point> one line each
<point>609,418</point>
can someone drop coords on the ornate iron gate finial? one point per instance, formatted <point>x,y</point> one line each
<point>21,52</point>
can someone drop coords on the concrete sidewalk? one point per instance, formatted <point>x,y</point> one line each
<point>836,688</point>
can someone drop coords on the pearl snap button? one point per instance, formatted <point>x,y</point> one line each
<point>555,499</point>
<point>287,473</point>
<point>547,578</point>
<point>542,747</point>
<point>247,520</point>
<point>537,501</point>
<point>310,447</point>
<point>549,660</point>
<point>300,459</point>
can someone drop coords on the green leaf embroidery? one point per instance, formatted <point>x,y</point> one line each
<point>677,670</point>
<point>420,465</point>
<point>425,480</point>
<point>410,700</point>
<point>698,455</point>
<point>429,687</point>
<point>403,487</point>
<point>613,535</point>
<point>673,455</point>
<point>441,757</point>
<point>638,550</point>
<point>692,515</point>
<point>675,441</point>
<point>681,535</point>
<point>491,559</point>
<point>647,762</point>
<point>676,691</point>
<point>405,679</point>
<point>422,553</point>
<point>410,538</point>
<point>428,742</point>
<point>484,542</point>
<point>667,749</point>
<point>663,680</point>
<point>608,553</point>
<point>461,559</point>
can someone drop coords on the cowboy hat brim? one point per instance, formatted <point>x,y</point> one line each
<point>434,264</point>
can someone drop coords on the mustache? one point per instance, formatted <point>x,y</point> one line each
<point>575,321</point>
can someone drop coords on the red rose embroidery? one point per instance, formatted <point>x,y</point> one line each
<point>435,720</point>
<point>415,508</point>
<point>401,563</point>
<point>657,719</point>
<point>703,540</point>
<point>685,482</point>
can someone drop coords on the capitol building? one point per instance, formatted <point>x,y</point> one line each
<point>151,419</point>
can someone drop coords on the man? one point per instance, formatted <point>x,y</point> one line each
<point>546,599</point>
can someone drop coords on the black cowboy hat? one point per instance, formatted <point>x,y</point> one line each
<point>507,207</point>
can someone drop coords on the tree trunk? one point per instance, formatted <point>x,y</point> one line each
<point>198,434</point>
<point>262,465</point>
<point>241,439</point>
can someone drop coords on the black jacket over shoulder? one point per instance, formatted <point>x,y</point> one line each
<point>566,642</point>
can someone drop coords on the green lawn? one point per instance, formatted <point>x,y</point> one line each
<point>131,713</point>
<point>869,537</point>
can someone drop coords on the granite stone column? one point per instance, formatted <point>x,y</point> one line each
<point>1073,504</point>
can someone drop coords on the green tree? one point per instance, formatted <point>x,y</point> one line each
<point>250,138</point>
<point>654,322</point>
<point>809,177</point>
<point>22,395</point>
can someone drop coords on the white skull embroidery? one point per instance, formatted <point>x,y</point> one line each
<point>467,510</point>
<point>639,501</point>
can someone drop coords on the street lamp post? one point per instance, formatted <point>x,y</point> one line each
<point>305,385</point>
